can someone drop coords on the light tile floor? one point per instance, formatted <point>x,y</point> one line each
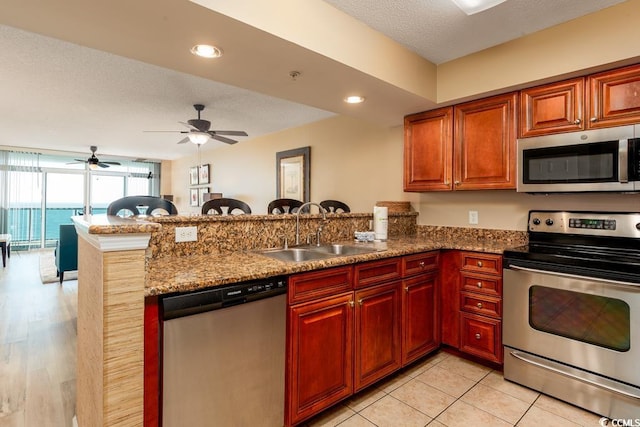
<point>446,390</point>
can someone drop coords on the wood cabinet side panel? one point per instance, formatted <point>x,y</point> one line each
<point>450,262</point>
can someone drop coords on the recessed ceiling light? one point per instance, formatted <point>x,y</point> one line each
<point>354,99</point>
<point>474,6</point>
<point>206,51</point>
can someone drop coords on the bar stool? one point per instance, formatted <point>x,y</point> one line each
<point>5,244</point>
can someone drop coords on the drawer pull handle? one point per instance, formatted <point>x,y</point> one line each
<point>421,264</point>
<point>479,263</point>
<point>478,336</point>
<point>479,284</point>
<point>479,305</point>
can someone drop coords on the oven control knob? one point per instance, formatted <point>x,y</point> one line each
<point>536,221</point>
<point>549,222</point>
<point>638,226</point>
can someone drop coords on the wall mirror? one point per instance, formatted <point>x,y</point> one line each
<point>293,174</point>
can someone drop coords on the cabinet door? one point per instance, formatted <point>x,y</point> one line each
<point>420,323</point>
<point>428,151</point>
<point>485,144</point>
<point>552,108</point>
<point>450,262</point>
<point>319,356</point>
<point>614,97</point>
<point>377,335</point>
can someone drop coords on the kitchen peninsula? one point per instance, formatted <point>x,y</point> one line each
<point>124,264</point>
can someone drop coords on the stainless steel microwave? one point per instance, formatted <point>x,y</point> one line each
<point>595,160</point>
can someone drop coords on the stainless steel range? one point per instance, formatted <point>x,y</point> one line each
<point>572,310</point>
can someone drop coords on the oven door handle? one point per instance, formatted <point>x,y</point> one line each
<point>574,276</point>
<point>559,369</point>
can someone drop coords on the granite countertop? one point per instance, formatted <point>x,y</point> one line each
<point>180,274</point>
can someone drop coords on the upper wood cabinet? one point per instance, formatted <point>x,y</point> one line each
<point>428,151</point>
<point>614,97</point>
<point>467,147</point>
<point>552,108</point>
<point>484,147</point>
<point>607,99</point>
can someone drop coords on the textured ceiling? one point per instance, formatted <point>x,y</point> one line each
<point>439,31</point>
<point>77,73</point>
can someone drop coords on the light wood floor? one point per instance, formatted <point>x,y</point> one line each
<point>37,346</point>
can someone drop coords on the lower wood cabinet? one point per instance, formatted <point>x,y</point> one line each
<point>421,316</point>
<point>338,344</point>
<point>319,356</point>
<point>377,333</point>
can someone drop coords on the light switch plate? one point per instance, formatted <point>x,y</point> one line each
<point>186,234</point>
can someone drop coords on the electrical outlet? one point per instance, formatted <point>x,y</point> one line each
<point>186,234</point>
<point>473,217</point>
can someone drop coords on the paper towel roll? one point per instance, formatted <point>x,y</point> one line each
<point>380,222</point>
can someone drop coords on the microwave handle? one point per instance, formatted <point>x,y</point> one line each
<point>623,160</point>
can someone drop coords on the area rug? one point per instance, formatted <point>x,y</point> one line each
<point>48,269</point>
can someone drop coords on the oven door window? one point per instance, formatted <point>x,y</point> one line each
<point>592,319</point>
<point>581,163</point>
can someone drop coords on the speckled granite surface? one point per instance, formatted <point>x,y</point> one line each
<point>228,247</point>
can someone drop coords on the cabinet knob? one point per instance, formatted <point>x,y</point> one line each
<point>479,263</point>
<point>479,305</point>
<point>577,122</point>
<point>360,301</point>
<point>594,119</point>
<point>406,288</point>
<point>351,303</point>
<point>478,336</point>
<point>479,284</point>
<point>421,264</point>
<point>457,182</point>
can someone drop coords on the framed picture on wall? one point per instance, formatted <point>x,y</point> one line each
<point>201,192</point>
<point>193,175</point>
<point>194,197</point>
<point>203,176</point>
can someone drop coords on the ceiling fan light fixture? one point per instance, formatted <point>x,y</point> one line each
<point>354,99</point>
<point>471,7</point>
<point>198,138</point>
<point>206,51</point>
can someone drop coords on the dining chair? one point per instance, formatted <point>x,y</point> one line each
<point>283,206</point>
<point>141,205</point>
<point>335,206</point>
<point>225,206</point>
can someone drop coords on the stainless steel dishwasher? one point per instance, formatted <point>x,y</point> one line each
<point>224,355</point>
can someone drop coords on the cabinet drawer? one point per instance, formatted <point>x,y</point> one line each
<point>321,283</point>
<point>481,336</point>
<point>419,263</point>
<point>482,263</point>
<point>481,304</point>
<point>488,285</point>
<point>370,273</point>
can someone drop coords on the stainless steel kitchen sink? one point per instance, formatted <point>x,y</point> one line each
<point>310,253</point>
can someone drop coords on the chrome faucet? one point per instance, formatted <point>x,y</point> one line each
<point>304,205</point>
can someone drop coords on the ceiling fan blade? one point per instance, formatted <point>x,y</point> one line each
<point>172,131</point>
<point>80,160</point>
<point>111,163</point>
<point>102,165</point>
<point>223,139</point>
<point>183,140</point>
<point>189,126</point>
<point>230,132</point>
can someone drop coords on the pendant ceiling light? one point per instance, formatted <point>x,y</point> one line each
<point>474,6</point>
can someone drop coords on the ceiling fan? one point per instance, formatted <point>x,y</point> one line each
<point>199,132</point>
<point>94,162</point>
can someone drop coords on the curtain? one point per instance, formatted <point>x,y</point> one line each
<point>21,197</point>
